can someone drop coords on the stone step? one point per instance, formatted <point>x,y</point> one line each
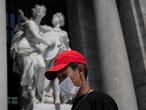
<point>51,107</point>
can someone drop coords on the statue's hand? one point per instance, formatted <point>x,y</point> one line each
<point>20,12</point>
<point>23,18</point>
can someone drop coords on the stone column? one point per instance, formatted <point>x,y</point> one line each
<point>3,57</point>
<point>82,34</point>
<point>114,65</point>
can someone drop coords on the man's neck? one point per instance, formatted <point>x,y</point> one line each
<point>84,89</point>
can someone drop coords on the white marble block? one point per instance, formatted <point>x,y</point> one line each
<point>51,107</point>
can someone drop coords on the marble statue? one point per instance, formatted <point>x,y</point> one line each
<point>60,37</point>
<point>27,49</point>
<point>33,49</point>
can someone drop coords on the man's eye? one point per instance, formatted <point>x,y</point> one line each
<point>62,75</point>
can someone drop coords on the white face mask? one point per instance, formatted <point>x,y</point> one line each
<point>68,87</point>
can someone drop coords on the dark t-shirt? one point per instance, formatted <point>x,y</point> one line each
<point>94,101</point>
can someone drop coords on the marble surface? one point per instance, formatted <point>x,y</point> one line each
<point>51,107</point>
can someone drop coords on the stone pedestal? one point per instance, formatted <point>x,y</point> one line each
<point>3,57</point>
<point>51,107</point>
<point>114,65</point>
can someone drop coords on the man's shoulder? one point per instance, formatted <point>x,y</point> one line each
<point>103,94</point>
<point>100,95</point>
<point>103,99</point>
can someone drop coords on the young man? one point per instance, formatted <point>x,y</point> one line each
<point>70,68</point>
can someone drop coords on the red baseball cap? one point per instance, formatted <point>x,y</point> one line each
<point>63,60</point>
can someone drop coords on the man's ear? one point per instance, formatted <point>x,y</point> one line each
<point>81,68</point>
<point>81,71</point>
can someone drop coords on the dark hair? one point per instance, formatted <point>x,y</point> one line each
<point>75,65</point>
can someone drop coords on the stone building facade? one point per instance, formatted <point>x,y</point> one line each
<point>111,35</point>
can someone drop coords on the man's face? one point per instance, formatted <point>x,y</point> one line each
<point>73,74</point>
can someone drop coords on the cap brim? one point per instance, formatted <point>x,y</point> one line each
<point>51,73</point>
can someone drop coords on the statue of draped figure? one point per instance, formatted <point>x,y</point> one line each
<point>33,49</point>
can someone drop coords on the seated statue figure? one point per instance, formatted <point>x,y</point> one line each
<point>61,40</point>
<point>27,49</point>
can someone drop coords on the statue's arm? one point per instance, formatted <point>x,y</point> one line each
<point>22,16</point>
<point>46,28</point>
<point>30,25</point>
<point>21,25</point>
<point>66,39</point>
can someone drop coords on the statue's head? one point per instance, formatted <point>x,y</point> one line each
<point>39,10</point>
<point>58,18</point>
